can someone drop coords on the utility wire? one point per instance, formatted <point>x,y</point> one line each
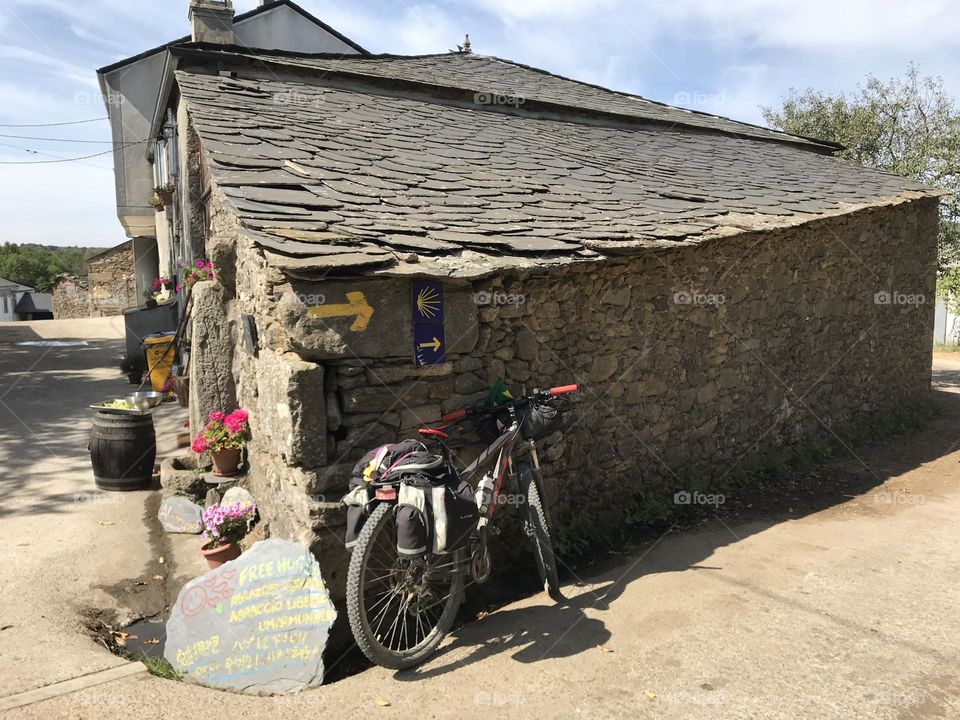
<point>50,162</point>
<point>34,137</point>
<point>59,124</point>
<point>49,155</point>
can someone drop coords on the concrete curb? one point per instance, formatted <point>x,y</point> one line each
<point>71,686</point>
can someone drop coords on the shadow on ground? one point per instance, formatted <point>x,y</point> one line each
<point>543,631</point>
<point>37,438</point>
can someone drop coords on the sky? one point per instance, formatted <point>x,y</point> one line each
<point>726,57</point>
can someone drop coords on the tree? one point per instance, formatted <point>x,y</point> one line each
<point>909,126</point>
<point>38,266</point>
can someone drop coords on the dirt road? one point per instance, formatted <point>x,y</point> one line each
<point>847,612</point>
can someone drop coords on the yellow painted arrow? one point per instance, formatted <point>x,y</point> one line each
<point>356,305</point>
<point>435,345</point>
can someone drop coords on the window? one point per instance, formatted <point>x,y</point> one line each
<point>6,308</point>
<point>165,155</point>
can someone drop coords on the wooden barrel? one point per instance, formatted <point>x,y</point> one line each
<point>123,449</point>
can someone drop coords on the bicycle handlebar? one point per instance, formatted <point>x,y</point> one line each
<point>455,415</point>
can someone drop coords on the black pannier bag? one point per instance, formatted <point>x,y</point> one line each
<point>436,511</point>
<point>453,509</point>
<point>539,420</point>
<point>434,517</point>
<point>371,468</point>
<point>357,502</point>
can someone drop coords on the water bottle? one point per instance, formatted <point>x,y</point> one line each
<point>485,494</point>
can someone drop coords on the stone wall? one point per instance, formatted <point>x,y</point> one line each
<point>112,281</point>
<point>70,299</point>
<point>109,288</point>
<point>692,361</point>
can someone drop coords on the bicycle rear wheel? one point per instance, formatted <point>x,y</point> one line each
<point>534,517</point>
<point>400,608</point>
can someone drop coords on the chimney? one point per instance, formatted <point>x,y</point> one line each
<point>211,21</point>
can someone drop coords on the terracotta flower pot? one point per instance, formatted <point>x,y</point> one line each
<point>219,554</point>
<point>226,463</point>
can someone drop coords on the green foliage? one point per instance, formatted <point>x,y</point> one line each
<point>574,537</point>
<point>160,667</point>
<point>645,511</point>
<point>908,126</point>
<point>39,265</point>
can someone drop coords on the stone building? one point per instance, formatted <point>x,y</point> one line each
<point>111,281</point>
<point>721,291</point>
<point>109,288</point>
<point>71,297</point>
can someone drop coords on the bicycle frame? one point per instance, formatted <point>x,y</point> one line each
<point>503,449</point>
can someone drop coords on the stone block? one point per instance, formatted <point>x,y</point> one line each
<point>369,318</point>
<point>603,367</point>
<point>291,412</point>
<point>618,296</point>
<point>180,476</point>
<point>212,385</point>
<point>468,383</point>
<point>415,417</point>
<point>527,345</point>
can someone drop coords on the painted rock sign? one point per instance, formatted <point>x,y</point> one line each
<point>256,625</point>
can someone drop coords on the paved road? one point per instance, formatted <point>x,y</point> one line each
<point>849,612</point>
<point>61,541</point>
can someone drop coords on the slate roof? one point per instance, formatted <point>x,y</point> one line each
<point>7,284</point>
<point>352,164</point>
<point>34,302</point>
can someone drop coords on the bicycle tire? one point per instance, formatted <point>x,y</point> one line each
<point>534,515</point>
<point>381,521</point>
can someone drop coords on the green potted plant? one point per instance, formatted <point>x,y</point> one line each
<point>165,193</point>
<point>156,202</point>
<point>200,270</point>
<point>224,437</point>
<point>158,292</point>
<point>223,528</point>
<point>133,366</point>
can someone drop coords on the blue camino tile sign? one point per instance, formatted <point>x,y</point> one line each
<point>429,343</point>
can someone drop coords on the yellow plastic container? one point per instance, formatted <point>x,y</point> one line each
<point>160,354</point>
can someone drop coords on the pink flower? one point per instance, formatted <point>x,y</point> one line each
<point>236,422</point>
<point>178,287</point>
<point>200,445</point>
<point>240,415</point>
<point>217,416</point>
<point>199,263</point>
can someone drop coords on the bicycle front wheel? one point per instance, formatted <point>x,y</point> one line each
<point>400,608</point>
<point>534,517</point>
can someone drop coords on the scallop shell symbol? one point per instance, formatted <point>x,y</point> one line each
<point>428,302</point>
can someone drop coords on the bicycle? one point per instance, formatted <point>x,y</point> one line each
<point>400,608</point>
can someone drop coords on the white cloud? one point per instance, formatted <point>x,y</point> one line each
<point>402,28</point>
<point>61,68</point>
<point>522,10</point>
